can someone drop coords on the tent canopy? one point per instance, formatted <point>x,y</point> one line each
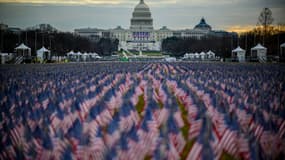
<point>43,49</point>
<point>78,53</point>
<point>238,49</point>
<point>4,54</point>
<point>258,47</point>
<point>70,53</point>
<point>282,45</point>
<point>211,53</point>
<point>22,47</point>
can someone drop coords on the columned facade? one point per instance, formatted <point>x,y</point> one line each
<point>141,36</point>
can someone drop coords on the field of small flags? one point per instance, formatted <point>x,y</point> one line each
<point>141,111</point>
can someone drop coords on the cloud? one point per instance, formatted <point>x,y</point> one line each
<point>239,28</point>
<point>231,15</point>
<point>86,2</point>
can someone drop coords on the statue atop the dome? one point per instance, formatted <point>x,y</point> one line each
<point>141,19</point>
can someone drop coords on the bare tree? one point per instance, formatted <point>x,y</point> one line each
<point>265,20</point>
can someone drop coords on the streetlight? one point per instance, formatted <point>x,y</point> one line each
<point>1,32</point>
<point>36,42</point>
<point>50,44</point>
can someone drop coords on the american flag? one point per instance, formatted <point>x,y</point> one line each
<point>113,132</point>
<point>195,152</point>
<point>195,127</point>
<point>174,134</point>
<point>78,112</point>
<point>243,147</point>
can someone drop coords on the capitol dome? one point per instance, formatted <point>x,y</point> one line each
<point>141,17</point>
<point>203,25</point>
<point>142,6</point>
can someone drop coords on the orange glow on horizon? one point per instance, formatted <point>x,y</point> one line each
<point>240,29</point>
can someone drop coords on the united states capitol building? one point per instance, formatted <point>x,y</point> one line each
<point>141,36</point>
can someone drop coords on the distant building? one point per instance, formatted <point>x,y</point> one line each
<point>92,33</point>
<point>3,27</point>
<point>141,36</point>
<point>203,26</point>
<point>15,30</point>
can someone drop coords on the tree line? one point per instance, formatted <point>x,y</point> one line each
<point>222,46</point>
<point>270,36</point>
<point>58,42</point>
<point>271,41</point>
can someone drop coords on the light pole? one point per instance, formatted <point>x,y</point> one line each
<point>1,32</point>
<point>26,37</point>
<point>43,39</point>
<point>50,44</point>
<point>36,42</point>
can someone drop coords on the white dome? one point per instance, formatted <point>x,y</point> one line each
<point>142,6</point>
<point>141,17</point>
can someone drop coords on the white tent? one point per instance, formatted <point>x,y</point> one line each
<point>186,56</point>
<point>78,56</point>
<point>78,53</point>
<point>239,54</point>
<point>211,54</point>
<point>23,50</point>
<point>191,55</point>
<point>259,52</point>
<point>22,47</point>
<point>71,53</point>
<point>43,54</point>
<point>98,57</point>
<point>197,55</point>
<point>4,57</point>
<point>203,55</point>
<point>85,56</point>
<point>170,59</point>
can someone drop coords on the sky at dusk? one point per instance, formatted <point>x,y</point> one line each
<point>66,15</point>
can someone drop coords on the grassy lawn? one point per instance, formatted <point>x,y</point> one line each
<point>187,149</point>
<point>226,156</point>
<point>140,105</point>
<point>144,53</point>
<point>153,53</point>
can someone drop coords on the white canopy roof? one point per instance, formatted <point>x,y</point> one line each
<point>197,55</point>
<point>282,45</point>
<point>203,53</point>
<point>70,53</point>
<point>211,53</point>
<point>238,49</point>
<point>258,47</point>
<point>78,53</point>
<point>4,54</point>
<point>22,47</point>
<point>43,49</point>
